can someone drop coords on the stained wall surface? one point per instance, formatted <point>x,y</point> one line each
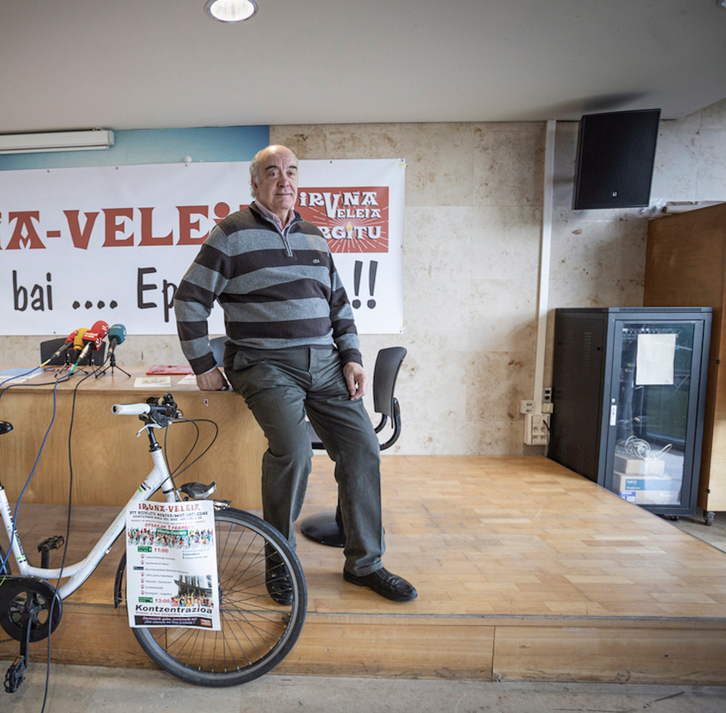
<point>474,204</point>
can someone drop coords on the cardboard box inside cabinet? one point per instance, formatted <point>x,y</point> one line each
<point>651,497</point>
<point>649,489</point>
<point>623,482</point>
<point>631,465</point>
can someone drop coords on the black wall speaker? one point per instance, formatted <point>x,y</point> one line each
<point>615,156</point>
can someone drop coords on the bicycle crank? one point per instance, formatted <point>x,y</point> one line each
<point>30,599</point>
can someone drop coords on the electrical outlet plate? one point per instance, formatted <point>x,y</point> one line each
<point>537,429</point>
<point>526,406</point>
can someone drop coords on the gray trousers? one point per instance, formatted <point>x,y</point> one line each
<point>280,386</point>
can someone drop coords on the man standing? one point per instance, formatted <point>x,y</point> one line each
<point>292,350</point>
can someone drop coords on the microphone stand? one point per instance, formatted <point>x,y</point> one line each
<point>61,368</point>
<point>112,365</point>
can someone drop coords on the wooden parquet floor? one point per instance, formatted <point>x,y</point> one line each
<point>524,571</point>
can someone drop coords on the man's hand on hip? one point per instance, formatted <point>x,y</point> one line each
<point>356,379</point>
<point>212,381</point>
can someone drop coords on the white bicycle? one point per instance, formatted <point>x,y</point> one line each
<point>262,590</point>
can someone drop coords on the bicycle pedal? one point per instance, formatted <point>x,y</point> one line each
<point>51,543</point>
<point>198,491</point>
<point>15,674</point>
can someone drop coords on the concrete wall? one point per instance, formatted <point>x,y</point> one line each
<point>472,239</point>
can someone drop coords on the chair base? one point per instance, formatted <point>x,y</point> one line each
<point>324,529</point>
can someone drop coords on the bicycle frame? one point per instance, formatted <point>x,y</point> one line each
<point>255,564</point>
<point>79,572</point>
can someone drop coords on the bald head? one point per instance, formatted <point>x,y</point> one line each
<point>262,157</point>
<point>273,180</point>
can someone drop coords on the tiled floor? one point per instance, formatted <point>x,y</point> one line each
<point>81,689</point>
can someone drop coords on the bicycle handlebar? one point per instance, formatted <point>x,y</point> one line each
<point>130,409</point>
<point>163,406</point>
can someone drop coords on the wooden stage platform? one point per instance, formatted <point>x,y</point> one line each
<point>525,571</point>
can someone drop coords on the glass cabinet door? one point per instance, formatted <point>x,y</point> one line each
<point>650,458</point>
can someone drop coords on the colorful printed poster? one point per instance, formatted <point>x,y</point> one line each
<point>171,565</point>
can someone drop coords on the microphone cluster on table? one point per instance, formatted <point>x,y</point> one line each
<point>85,347</point>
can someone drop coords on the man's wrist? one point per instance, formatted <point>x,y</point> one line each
<point>351,355</point>
<point>203,365</point>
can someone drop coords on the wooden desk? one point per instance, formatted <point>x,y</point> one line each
<point>109,462</point>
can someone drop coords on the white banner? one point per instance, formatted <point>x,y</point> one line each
<point>79,245</point>
<point>171,565</point>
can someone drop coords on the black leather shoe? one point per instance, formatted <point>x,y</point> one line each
<point>385,583</point>
<point>278,583</point>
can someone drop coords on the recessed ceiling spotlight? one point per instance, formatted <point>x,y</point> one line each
<point>230,10</point>
<point>721,3</point>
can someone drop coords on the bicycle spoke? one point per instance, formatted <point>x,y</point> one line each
<point>256,632</point>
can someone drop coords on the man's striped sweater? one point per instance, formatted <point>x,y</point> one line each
<point>277,290</point>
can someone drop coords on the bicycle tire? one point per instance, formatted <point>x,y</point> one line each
<point>256,633</point>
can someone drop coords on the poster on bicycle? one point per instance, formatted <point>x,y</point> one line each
<point>171,565</point>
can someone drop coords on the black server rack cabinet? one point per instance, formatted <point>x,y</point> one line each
<point>629,387</point>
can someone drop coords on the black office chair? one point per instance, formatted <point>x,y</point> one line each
<point>51,346</point>
<point>217,345</point>
<point>326,528</point>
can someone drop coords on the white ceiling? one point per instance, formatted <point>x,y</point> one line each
<point>144,64</point>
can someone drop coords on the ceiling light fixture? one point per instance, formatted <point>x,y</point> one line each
<point>230,10</point>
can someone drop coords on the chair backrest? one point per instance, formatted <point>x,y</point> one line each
<point>217,345</point>
<point>50,346</point>
<point>385,373</point>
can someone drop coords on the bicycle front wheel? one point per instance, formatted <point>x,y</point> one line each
<point>257,632</point>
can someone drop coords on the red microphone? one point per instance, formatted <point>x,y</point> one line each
<point>93,338</point>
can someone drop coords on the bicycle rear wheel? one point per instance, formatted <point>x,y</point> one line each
<point>257,633</point>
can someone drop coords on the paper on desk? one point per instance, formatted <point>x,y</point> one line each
<point>189,379</point>
<point>159,369</point>
<point>152,382</point>
<point>18,375</point>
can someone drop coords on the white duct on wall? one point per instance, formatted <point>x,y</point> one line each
<point>544,265</point>
<point>536,413</point>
